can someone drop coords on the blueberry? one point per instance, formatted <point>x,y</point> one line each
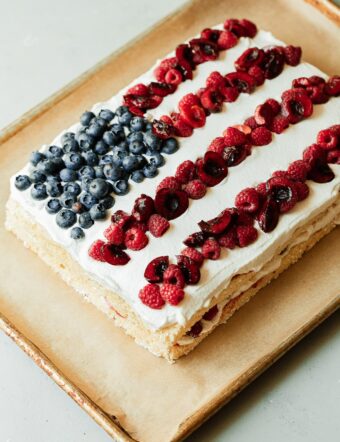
<point>66,218</point>
<point>150,170</point>
<point>123,145</point>
<point>113,172</point>
<point>108,202</point>
<point>157,160</point>
<point>170,146</point>
<point>53,179</point>
<point>72,189</point>
<point>101,148</point>
<point>130,163</point>
<point>137,124</point>
<point>48,167</point>
<point>98,211</point>
<point>36,157</point>
<point>77,233</point>
<point>86,118</point>
<point>54,189</point>
<point>86,141</point>
<point>73,160</point>
<point>87,200</point>
<point>37,177</point>
<point>121,187</point>
<point>106,159</point>
<point>121,110</point>
<point>137,176</point>
<point>106,114</point>
<point>141,161</point>
<point>71,145</point>
<point>148,127</point>
<point>22,182</point>
<point>55,152</point>
<point>135,136</point>
<point>118,130</point>
<point>99,171</point>
<point>118,155</point>
<point>53,206</point>
<point>85,183</point>
<point>95,130</point>
<point>68,175</point>
<point>91,158</point>
<point>58,164</point>
<point>67,136</point>
<point>85,220</point>
<point>87,171</point>
<point>38,191</point>
<point>67,200</point>
<point>152,141</point>
<point>110,138</point>
<point>136,147</point>
<point>125,118</point>
<point>78,207</point>
<point>98,188</point>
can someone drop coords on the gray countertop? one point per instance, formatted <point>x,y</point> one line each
<point>44,45</point>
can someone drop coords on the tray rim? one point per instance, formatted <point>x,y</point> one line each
<point>110,424</point>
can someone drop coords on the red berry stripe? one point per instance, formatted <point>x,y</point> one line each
<point>175,70</point>
<point>253,67</point>
<point>235,227</point>
<point>192,179</point>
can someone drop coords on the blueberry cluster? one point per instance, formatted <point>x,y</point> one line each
<point>79,177</point>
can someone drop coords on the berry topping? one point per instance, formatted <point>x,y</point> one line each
<point>328,139</point>
<point>169,182</point>
<point>211,249</point>
<point>246,235</point>
<point>135,239</point>
<point>298,170</point>
<point>189,268</point>
<point>212,100</point>
<point>243,82</point>
<point>203,50</point>
<point>143,208</point>
<point>234,137</point>
<point>114,234</point>
<point>114,255</point>
<point>284,192</point>
<point>250,57</point>
<point>95,250</point>
<point>226,40</point>
<point>292,55</point>
<point>332,87</point>
<point>261,136</point>
<point>216,225</point>
<point>121,218</point>
<point>155,269</point>
<point>248,200</point>
<point>272,63</point>
<point>279,124</point>
<point>264,114</point>
<point>171,293</point>
<point>319,171</point>
<point>174,275</point>
<point>22,182</point>
<point>66,218</point>
<point>241,28</point>
<point>211,169</point>
<point>229,239</point>
<point>193,254</point>
<point>234,155</point>
<point>195,239</point>
<point>150,295</point>
<point>296,105</point>
<point>195,189</point>
<point>158,225</point>
<point>171,203</point>
<point>185,172</point>
<point>268,216</point>
<point>194,116</point>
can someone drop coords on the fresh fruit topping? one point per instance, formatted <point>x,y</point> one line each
<point>319,171</point>
<point>328,139</point>
<point>229,239</point>
<point>211,169</point>
<point>194,116</point>
<point>150,295</point>
<point>114,234</point>
<point>272,63</point>
<point>185,172</point>
<point>95,250</point>
<point>216,225</point>
<point>143,208</point>
<point>234,137</point>
<point>241,28</point>
<point>333,156</point>
<point>268,216</point>
<point>246,235</point>
<point>203,50</point>
<point>250,57</point>
<point>155,269</point>
<point>171,203</point>
<point>195,189</point>
<point>279,124</point>
<point>257,73</point>
<point>296,105</point>
<point>243,82</point>
<point>158,225</point>
<point>302,190</point>
<point>234,155</point>
<point>248,200</point>
<point>162,129</point>
<point>261,136</point>
<point>212,100</point>
<point>174,275</point>
<point>332,87</point>
<point>298,170</point>
<point>283,191</point>
<point>211,249</point>
<point>171,293</point>
<point>264,114</point>
<point>193,254</point>
<point>169,182</point>
<point>114,255</point>
<point>121,218</point>
<point>226,40</point>
<point>135,239</point>
<point>292,55</point>
<point>189,268</point>
<point>195,239</point>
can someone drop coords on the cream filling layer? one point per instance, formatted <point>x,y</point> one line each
<point>216,275</point>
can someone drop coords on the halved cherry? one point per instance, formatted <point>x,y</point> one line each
<point>155,269</point>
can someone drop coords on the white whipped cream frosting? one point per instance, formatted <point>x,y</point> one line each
<point>216,275</point>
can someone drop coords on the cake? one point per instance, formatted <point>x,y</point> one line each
<point>173,203</point>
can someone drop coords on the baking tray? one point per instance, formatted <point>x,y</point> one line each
<point>129,392</point>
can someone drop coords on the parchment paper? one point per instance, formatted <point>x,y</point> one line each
<point>152,400</point>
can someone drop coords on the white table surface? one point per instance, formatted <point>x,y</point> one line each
<point>43,45</point>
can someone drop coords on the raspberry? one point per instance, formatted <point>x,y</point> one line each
<point>195,330</point>
<point>195,189</point>
<point>302,190</point>
<point>211,249</point>
<point>298,170</point>
<point>169,182</point>
<point>193,254</point>
<point>143,208</point>
<point>173,76</point>
<point>292,55</point>
<point>262,189</point>
<point>251,122</point>
<point>135,239</point>
<point>268,216</point>
<point>250,57</point>
<point>171,203</point>
<point>244,82</point>
<point>279,124</point>
<point>210,34</point>
<point>173,275</point>
<point>195,239</point>
<point>229,239</point>
<point>150,295</point>
<point>211,169</point>
<point>226,40</point>
<point>114,234</point>
<point>284,192</point>
<point>161,89</point>
<point>261,136</point>
<point>314,151</point>
<point>216,225</point>
<point>188,101</point>
<point>246,235</point>
<point>182,128</point>
<point>217,145</point>
<point>164,67</point>
<point>190,269</point>
<point>233,137</point>
<point>243,128</point>
<point>264,114</point>
<point>248,200</point>
<point>243,218</point>
<point>275,105</point>
<point>215,80</point>
<point>139,90</point>
<point>211,313</point>
<point>332,87</point>
<point>194,116</point>
<point>249,28</point>
<point>327,139</point>
<point>333,156</point>
<point>171,294</point>
<point>158,225</point>
<point>155,269</point>
<point>95,250</point>
<point>296,105</point>
<point>114,255</point>
<point>185,172</point>
<point>257,73</point>
<point>121,218</point>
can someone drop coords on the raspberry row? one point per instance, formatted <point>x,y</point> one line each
<point>175,70</point>
<point>235,227</point>
<point>191,180</point>
<point>253,67</point>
